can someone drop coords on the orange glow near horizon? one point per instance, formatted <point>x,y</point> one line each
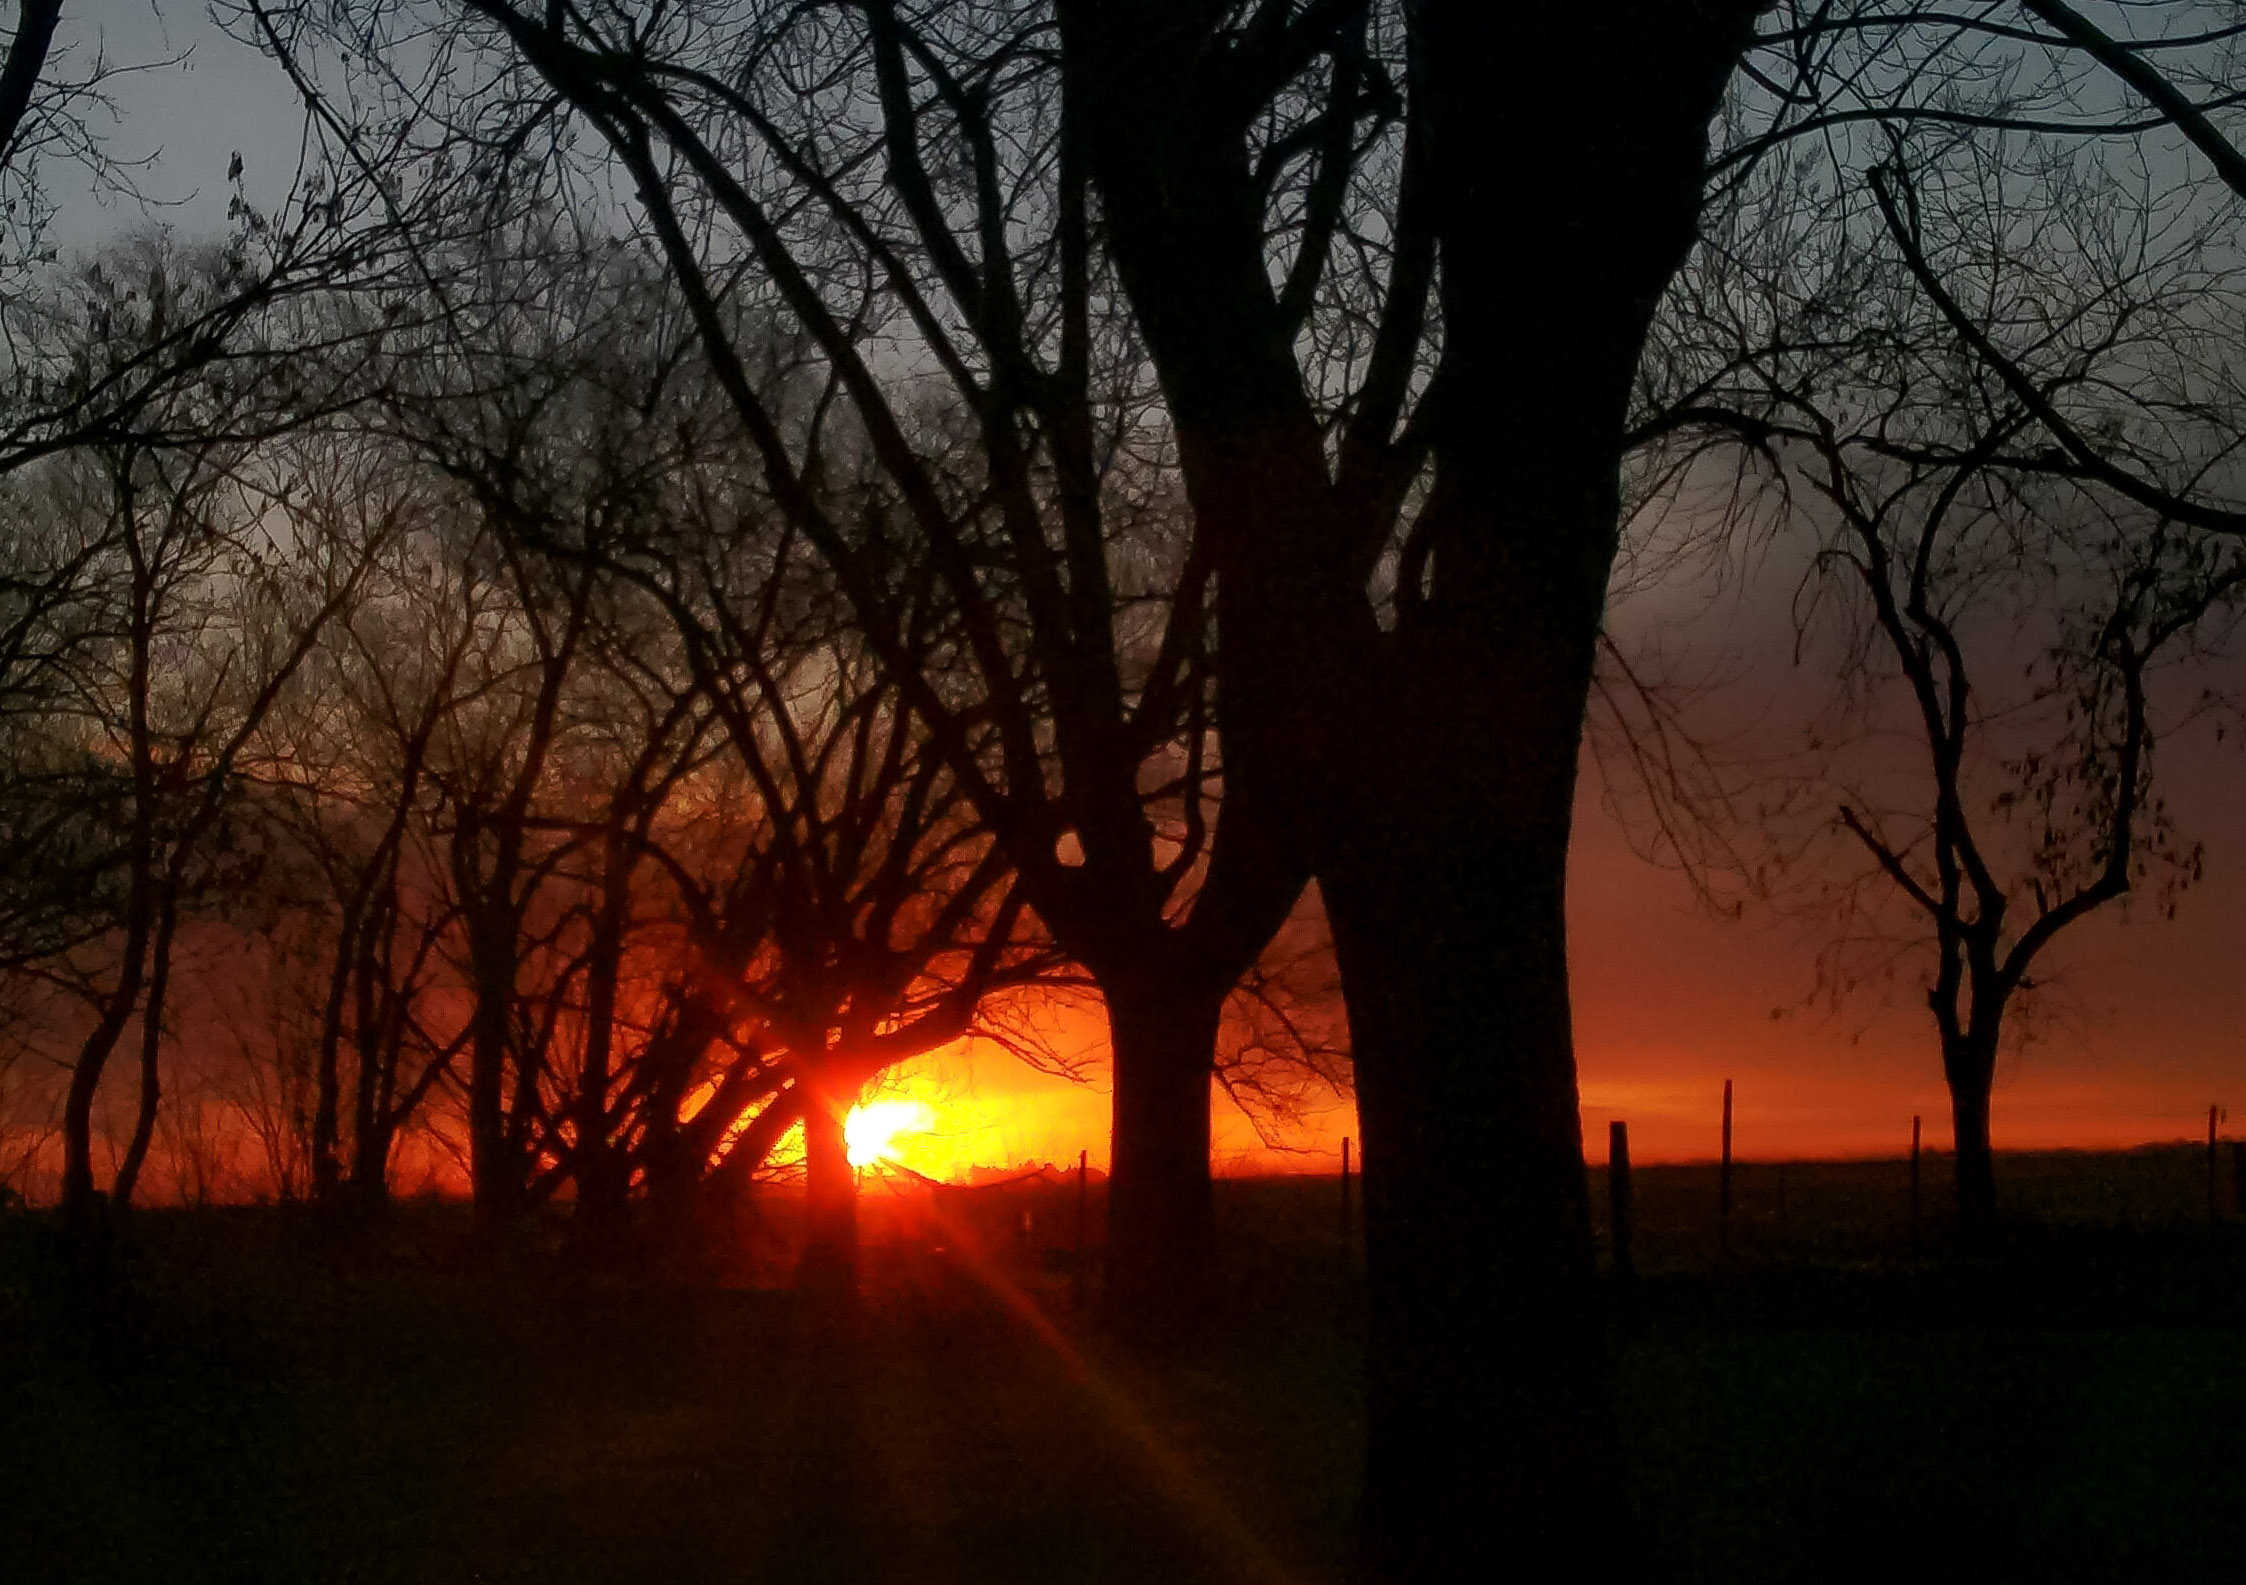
<point>967,1109</point>
<point>974,1109</point>
<point>982,1110</point>
<point>871,1130</point>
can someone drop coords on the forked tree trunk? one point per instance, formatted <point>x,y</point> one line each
<point>1161,1224</point>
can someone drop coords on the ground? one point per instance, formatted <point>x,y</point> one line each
<point>251,1402</point>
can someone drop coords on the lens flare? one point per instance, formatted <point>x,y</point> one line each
<point>870,1131</point>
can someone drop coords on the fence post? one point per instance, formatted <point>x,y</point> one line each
<point>1345,1192</point>
<point>1914,1183</point>
<point>2214,1210</point>
<point>1619,1202</point>
<point>1723,1177</point>
<point>1083,1229</point>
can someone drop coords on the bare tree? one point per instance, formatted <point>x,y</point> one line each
<point>1981,336</point>
<point>2025,633</point>
<point>149,647</point>
<point>344,766</point>
<point>204,626</point>
<point>1412,547</point>
<point>1034,532</point>
<point>888,915</point>
<point>859,914</point>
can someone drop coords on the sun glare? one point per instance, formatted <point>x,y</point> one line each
<point>870,1131</point>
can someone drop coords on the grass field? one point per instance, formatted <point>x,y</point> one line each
<point>254,1405</point>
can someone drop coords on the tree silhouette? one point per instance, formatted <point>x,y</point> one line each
<point>1404,498</point>
<point>746,796</point>
<point>1367,286</point>
<point>2011,539</point>
<point>1033,510</point>
<point>351,790</point>
<point>196,632</point>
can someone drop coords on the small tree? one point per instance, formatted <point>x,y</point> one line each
<point>202,628</point>
<point>2004,583</point>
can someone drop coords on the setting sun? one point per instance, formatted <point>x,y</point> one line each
<point>871,1130</point>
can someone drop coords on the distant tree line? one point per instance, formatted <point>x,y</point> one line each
<point>503,705</point>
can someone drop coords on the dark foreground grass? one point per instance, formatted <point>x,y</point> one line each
<point>251,1404</point>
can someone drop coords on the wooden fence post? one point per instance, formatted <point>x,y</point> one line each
<point>1345,1191</point>
<point>1619,1202</point>
<point>1083,1229</point>
<point>2214,1210</point>
<point>1914,1183</point>
<point>1723,1177</point>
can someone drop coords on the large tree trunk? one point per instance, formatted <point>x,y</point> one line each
<point>327,1088</point>
<point>373,1088</point>
<point>95,1051</point>
<point>1160,1211</point>
<point>1971,1071</point>
<point>374,1115</point>
<point>600,1169</point>
<point>375,1069</point>
<point>494,1168</point>
<point>1489,1416</point>
<point>1161,1224</point>
<point>1445,877</point>
<point>78,1105</point>
<point>348,981</point>
<point>369,1182</point>
<point>829,1267</point>
<point>1487,1404</point>
<point>151,1046</point>
<point>19,77</point>
<point>1430,769</point>
<point>487,896</point>
<point>494,1182</point>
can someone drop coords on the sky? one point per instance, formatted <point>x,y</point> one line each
<point>2139,1028</point>
<point>182,123</point>
<point>2142,1033</point>
<point>1671,1000</point>
<point>2134,1033</point>
<point>2144,1023</point>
